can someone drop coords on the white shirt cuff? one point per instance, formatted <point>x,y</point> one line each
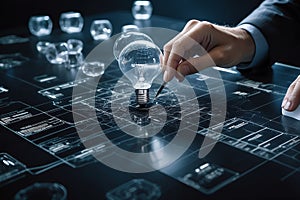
<point>261,47</point>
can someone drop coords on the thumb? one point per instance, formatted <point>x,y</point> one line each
<point>292,98</point>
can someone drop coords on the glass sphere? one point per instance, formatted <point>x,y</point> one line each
<point>42,46</point>
<point>71,22</point>
<point>93,69</point>
<point>101,29</point>
<point>125,39</point>
<point>40,25</point>
<point>142,10</point>
<point>140,63</point>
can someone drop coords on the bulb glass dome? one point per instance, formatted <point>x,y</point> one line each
<point>140,63</point>
<point>125,39</point>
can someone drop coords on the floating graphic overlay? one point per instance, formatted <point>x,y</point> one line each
<point>117,158</point>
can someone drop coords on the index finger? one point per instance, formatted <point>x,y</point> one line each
<point>169,45</point>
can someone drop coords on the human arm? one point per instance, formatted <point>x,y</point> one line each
<point>278,22</point>
<point>202,44</point>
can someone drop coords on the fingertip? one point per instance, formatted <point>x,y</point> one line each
<point>283,103</point>
<point>167,76</point>
<point>290,102</point>
<point>179,77</point>
<point>288,106</point>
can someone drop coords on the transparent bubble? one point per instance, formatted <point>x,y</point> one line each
<point>140,63</point>
<point>71,22</point>
<point>75,45</point>
<point>101,29</point>
<point>42,46</point>
<point>93,69</point>
<point>127,38</point>
<point>57,53</point>
<point>142,10</point>
<point>40,25</point>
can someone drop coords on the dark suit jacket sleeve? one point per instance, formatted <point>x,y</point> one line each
<point>279,22</point>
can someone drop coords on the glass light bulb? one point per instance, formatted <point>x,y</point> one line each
<point>125,39</point>
<point>140,63</point>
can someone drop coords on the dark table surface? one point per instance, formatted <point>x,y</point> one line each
<point>248,168</point>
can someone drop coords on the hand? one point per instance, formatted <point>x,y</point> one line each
<point>202,44</point>
<point>292,98</point>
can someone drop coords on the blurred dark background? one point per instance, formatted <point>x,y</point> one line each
<point>15,13</point>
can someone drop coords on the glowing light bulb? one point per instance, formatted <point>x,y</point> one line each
<point>140,63</point>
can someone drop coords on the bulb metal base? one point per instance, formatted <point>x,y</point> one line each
<point>142,96</point>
